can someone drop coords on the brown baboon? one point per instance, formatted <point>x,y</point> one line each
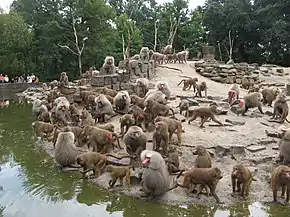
<point>144,54</point>
<point>122,101</point>
<point>108,66</point>
<point>284,148</point>
<point>101,140</point>
<point>142,85</point>
<point>155,177</point>
<point>86,118</point>
<point>241,177</point>
<point>63,81</point>
<point>205,113</point>
<point>173,160</point>
<point>182,56</point>
<point>203,159</point>
<point>65,151</point>
<point>173,126</point>
<point>84,94</point>
<point>203,176</point>
<point>158,57</point>
<point>281,178</point>
<point>167,49</point>
<point>136,100</point>
<point>155,109</point>
<point>108,126</point>
<point>141,118</point>
<point>75,114</point>
<point>119,172</point>
<point>184,106</point>
<point>103,107</point>
<point>135,141</point>
<point>43,129</point>
<point>188,83</point>
<point>110,92</point>
<point>155,95</point>
<point>253,100</point>
<point>38,107</point>
<point>78,140</point>
<point>126,121</point>
<point>45,117</point>
<point>164,88</point>
<point>281,109</point>
<point>161,137</point>
<point>254,88</point>
<point>269,95</point>
<point>201,87</point>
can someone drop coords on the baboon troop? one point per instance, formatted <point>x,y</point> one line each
<point>145,124</point>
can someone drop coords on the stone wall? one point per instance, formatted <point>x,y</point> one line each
<point>229,74</point>
<point>124,79</point>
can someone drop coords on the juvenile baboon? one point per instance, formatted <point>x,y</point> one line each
<point>171,58</point>
<point>122,101</point>
<point>63,81</point>
<point>155,109</point>
<point>155,95</point>
<point>205,113</point>
<point>173,126</point>
<point>65,150</point>
<point>135,140</point>
<point>144,54</point>
<point>142,85</point>
<point>281,109</point>
<point>136,100</point>
<point>108,66</point>
<point>201,87</point>
<point>119,173</point>
<point>241,177</point>
<point>45,117</point>
<point>284,148</point>
<point>161,137</point>
<point>281,178</point>
<point>110,92</point>
<point>203,176</point>
<point>164,88</point>
<point>126,121</point>
<point>254,88</point>
<point>188,83</point>
<point>103,107</point>
<point>173,160</point>
<point>269,95</point>
<point>184,106</point>
<point>38,107</point>
<point>101,140</point>
<point>75,114</point>
<point>42,129</point>
<point>141,117</point>
<point>203,159</point>
<point>234,92</point>
<point>155,177</point>
<point>86,118</point>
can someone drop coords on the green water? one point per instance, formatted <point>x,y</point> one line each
<point>34,187</point>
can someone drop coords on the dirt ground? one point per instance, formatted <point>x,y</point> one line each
<point>249,143</point>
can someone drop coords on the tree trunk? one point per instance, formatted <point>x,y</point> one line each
<point>80,63</point>
<point>155,36</point>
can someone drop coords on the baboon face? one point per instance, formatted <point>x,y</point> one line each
<point>213,108</point>
<point>146,161</point>
<point>136,134</point>
<point>203,83</point>
<point>237,172</point>
<point>110,61</point>
<point>157,119</point>
<point>285,175</point>
<point>281,98</point>
<point>80,160</point>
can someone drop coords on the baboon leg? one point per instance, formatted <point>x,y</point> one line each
<point>120,181</point>
<point>194,116</point>
<point>275,194</point>
<point>199,191</point>
<point>170,138</point>
<point>97,171</point>
<point>203,120</point>
<point>113,182</point>
<point>127,177</point>
<point>212,191</point>
<point>246,109</point>
<point>238,186</point>
<point>260,109</point>
<point>283,191</point>
<point>243,190</point>
<point>215,120</point>
<point>287,194</point>
<point>248,184</point>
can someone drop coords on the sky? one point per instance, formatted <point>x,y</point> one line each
<point>192,3</point>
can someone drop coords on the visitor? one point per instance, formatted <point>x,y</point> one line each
<point>29,79</point>
<point>6,79</point>
<point>33,77</point>
<point>1,78</point>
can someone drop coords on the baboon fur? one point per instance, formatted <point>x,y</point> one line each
<point>281,178</point>
<point>269,95</point>
<point>164,88</point>
<point>284,148</point>
<point>135,141</point>
<point>161,137</point>
<point>108,66</point>
<point>122,101</point>
<point>281,109</point>
<point>144,54</point>
<point>86,118</point>
<point>136,100</point>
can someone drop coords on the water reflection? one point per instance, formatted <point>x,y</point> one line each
<point>34,186</point>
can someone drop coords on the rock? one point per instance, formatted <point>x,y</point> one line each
<point>179,117</point>
<point>266,141</point>
<point>238,149</point>
<point>217,78</point>
<point>172,98</point>
<point>255,148</point>
<point>221,151</point>
<point>263,159</point>
<point>77,98</point>
<point>193,102</point>
<point>203,100</point>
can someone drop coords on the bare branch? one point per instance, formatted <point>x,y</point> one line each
<point>67,47</point>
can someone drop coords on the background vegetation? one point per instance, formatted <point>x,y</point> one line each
<point>36,34</point>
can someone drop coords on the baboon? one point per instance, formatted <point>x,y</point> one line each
<point>135,57</point>
<point>233,93</point>
<point>144,54</point>
<point>62,101</point>
<point>158,57</point>
<point>65,151</point>
<point>173,160</point>
<point>75,114</point>
<point>188,83</point>
<point>86,118</point>
<point>182,56</point>
<point>205,113</point>
<point>269,95</point>
<point>199,55</point>
<point>108,126</point>
<point>61,114</point>
<point>122,101</point>
<point>164,88</point>
<point>151,52</point>
<point>155,177</point>
<point>108,66</point>
<point>173,126</point>
<point>101,140</point>
<point>119,173</point>
<point>84,94</point>
<point>203,176</point>
<point>38,107</point>
<point>241,176</point>
<point>110,92</point>
<point>281,178</point>
<point>45,117</point>
<point>281,109</point>
<point>63,81</point>
<point>255,88</point>
<point>167,49</point>
<point>252,100</point>
<point>42,129</point>
<point>184,106</point>
<point>155,95</point>
<point>136,100</point>
<point>284,148</point>
<point>161,137</point>
<point>142,85</point>
<point>103,107</point>
<point>141,117</point>
<point>126,121</point>
<point>135,141</point>
<point>155,109</point>
<point>203,159</point>
<point>90,102</point>
<point>111,99</point>
<point>78,140</point>
<point>171,58</point>
<point>247,84</point>
<point>201,87</point>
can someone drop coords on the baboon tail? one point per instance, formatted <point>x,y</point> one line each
<point>287,120</point>
<point>181,82</point>
<point>172,111</point>
<point>117,138</point>
<point>180,173</point>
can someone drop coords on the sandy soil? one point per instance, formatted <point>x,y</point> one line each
<point>240,139</point>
